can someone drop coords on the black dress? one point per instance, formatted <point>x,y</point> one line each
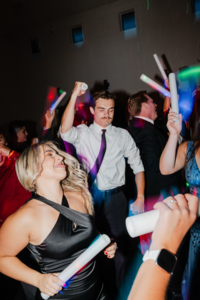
<point>63,245</point>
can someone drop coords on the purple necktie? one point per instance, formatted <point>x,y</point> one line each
<point>95,169</point>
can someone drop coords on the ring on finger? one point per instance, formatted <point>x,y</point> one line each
<point>173,201</point>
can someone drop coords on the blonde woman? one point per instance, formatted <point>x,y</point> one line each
<point>56,225</point>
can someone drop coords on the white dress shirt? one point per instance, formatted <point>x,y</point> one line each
<point>146,119</point>
<point>119,144</point>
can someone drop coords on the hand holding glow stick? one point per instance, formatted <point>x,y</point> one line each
<point>84,87</point>
<point>162,71</point>
<point>83,259</point>
<point>174,95</point>
<point>155,85</point>
<point>142,223</point>
<point>55,104</point>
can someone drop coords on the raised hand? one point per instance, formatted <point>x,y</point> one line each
<point>173,126</point>
<point>49,116</point>
<point>77,89</point>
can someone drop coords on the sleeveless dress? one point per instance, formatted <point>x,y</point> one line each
<point>191,282</point>
<point>63,245</point>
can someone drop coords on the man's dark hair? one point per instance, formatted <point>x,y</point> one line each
<point>135,102</point>
<point>4,134</point>
<point>104,95</point>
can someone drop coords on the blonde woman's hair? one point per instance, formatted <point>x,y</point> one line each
<point>29,166</point>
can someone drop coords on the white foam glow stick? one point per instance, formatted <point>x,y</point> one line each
<point>162,71</point>
<point>142,223</point>
<point>84,87</point>
<point>55,104</point>
<point>83,259</point>
<point>155,85</point>
<point>174,95</point>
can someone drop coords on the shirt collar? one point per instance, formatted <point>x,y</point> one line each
<point>146,119</point>
<point>99,129</point>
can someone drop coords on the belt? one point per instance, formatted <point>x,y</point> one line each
<point>109,192</point>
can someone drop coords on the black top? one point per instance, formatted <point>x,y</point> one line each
<point>63,245</point>
<point>151,140</point>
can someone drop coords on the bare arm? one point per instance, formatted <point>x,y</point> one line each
<point>174,221</point>
<point>49,117</point>
<point>14,236</point>
<point>170,162</point>
<point>151,282</point>
<point>138,205</point>
<point>167,100</point>
<point>68,116</point>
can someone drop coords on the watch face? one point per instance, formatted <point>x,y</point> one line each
<point>166,260</point>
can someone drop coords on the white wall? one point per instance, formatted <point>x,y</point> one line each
<point>167,27</point>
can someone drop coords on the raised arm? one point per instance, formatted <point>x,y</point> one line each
<point>68,116</point>
<point>170,162</point>
<point>167,100</point>
<point>15,236</point>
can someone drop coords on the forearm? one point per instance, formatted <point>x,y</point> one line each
<point>150,283</point>
<point>166,104</point>
<point>47,125</point>
<point>14,268</point>
<point>140,183</point>
<point>168,157</point>
<point>68,116</point>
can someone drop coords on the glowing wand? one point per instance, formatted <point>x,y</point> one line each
<point>155,85</point>
<point>83,259</point>
<point>55,104</point>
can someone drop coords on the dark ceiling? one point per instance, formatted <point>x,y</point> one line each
<point>18,14</point>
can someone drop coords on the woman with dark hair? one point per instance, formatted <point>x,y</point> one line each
<point>188,157</point>
<point>18,135</point>
<point>56,225</point>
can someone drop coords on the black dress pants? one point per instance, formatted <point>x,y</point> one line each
<point>111,210</point>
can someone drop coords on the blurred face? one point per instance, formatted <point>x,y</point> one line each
<point>152,108</point>
<point>103,112</point>
<point>22,135</point>
<point>52,165</point>
<point>2,140</point>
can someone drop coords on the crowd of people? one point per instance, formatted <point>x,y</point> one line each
<point>59,193</point>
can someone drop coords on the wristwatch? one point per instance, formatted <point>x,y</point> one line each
<point>163,258</point>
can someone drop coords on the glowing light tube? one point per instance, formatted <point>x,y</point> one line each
<point>84,87</point>
<point>162,71</point>
<point>174,95</point>
<point>142,223</point>
<point>83,259</point>
<point>155,85</point>
<point>55,104</point>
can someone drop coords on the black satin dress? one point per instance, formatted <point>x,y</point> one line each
<point>71,235</point>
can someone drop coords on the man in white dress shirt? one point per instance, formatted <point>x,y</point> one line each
<point>106,186</point>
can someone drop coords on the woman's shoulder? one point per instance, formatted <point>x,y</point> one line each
<point>21,221</point>
<point>189,146</point>
<point>26,214</point>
